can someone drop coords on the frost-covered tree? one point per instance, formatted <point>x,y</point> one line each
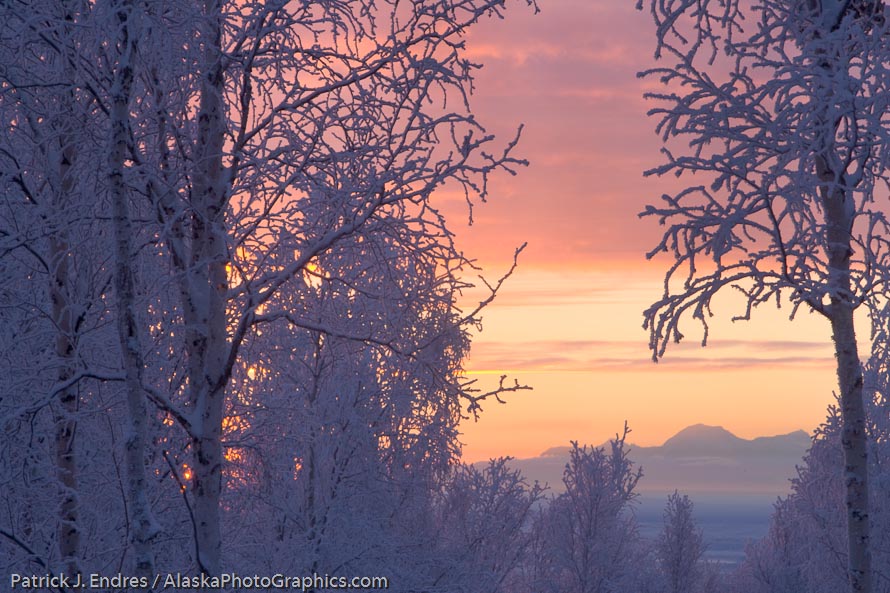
<point>805,550</point>
<point>484,518</point>
<point>771,565</point>
<point>144,527</point>
<point>52,260</point>
<point>285,289</point>
<point>307,124</point>
<point>680,547</point>
<point>779,110</point>
<point>586,539</point>
<point>338,439</point>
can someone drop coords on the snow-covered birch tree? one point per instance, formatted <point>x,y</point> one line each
<point>484,517</point>
<point>805,549</point>
<point>270,171</point>
<point>588,540</point>
<point>344,418</point>
<point>680,547</point>
<point>49,304</point>
<point>282,131</point>
<point>123,15</point>
<point>779,109</point>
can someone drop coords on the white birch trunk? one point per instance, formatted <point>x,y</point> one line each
<point>142,524</point>
<point>65,422</point>
<point>840,213</point>
<point>62,297</point>
<point>849,372</point>
<point>854,442</point>
<point>206,305</point>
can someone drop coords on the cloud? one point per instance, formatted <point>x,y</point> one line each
<point>568,74</point>
<point>569,356</point>
<point>567,286</point>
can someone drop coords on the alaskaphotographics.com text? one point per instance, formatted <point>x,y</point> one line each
<point>98,582</point>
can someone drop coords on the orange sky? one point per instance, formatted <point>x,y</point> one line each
<point>569,322</point>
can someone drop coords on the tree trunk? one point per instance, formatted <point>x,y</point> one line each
<point>206,306</point>
<point>839,216</point>
<point>853,439</point>
<point>63,297</point>
<point>65,422</point>
<point>207,357</point>
<point>142,524</point>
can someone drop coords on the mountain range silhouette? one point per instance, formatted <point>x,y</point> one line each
<point>699,459</point>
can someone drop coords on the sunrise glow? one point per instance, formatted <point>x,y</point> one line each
<point>569,321</point>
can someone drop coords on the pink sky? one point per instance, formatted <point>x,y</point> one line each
<point>568,74</point>
<point>569,323</point>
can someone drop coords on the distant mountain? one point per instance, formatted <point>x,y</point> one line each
<point>698,459</point>
<point>692,441</point>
